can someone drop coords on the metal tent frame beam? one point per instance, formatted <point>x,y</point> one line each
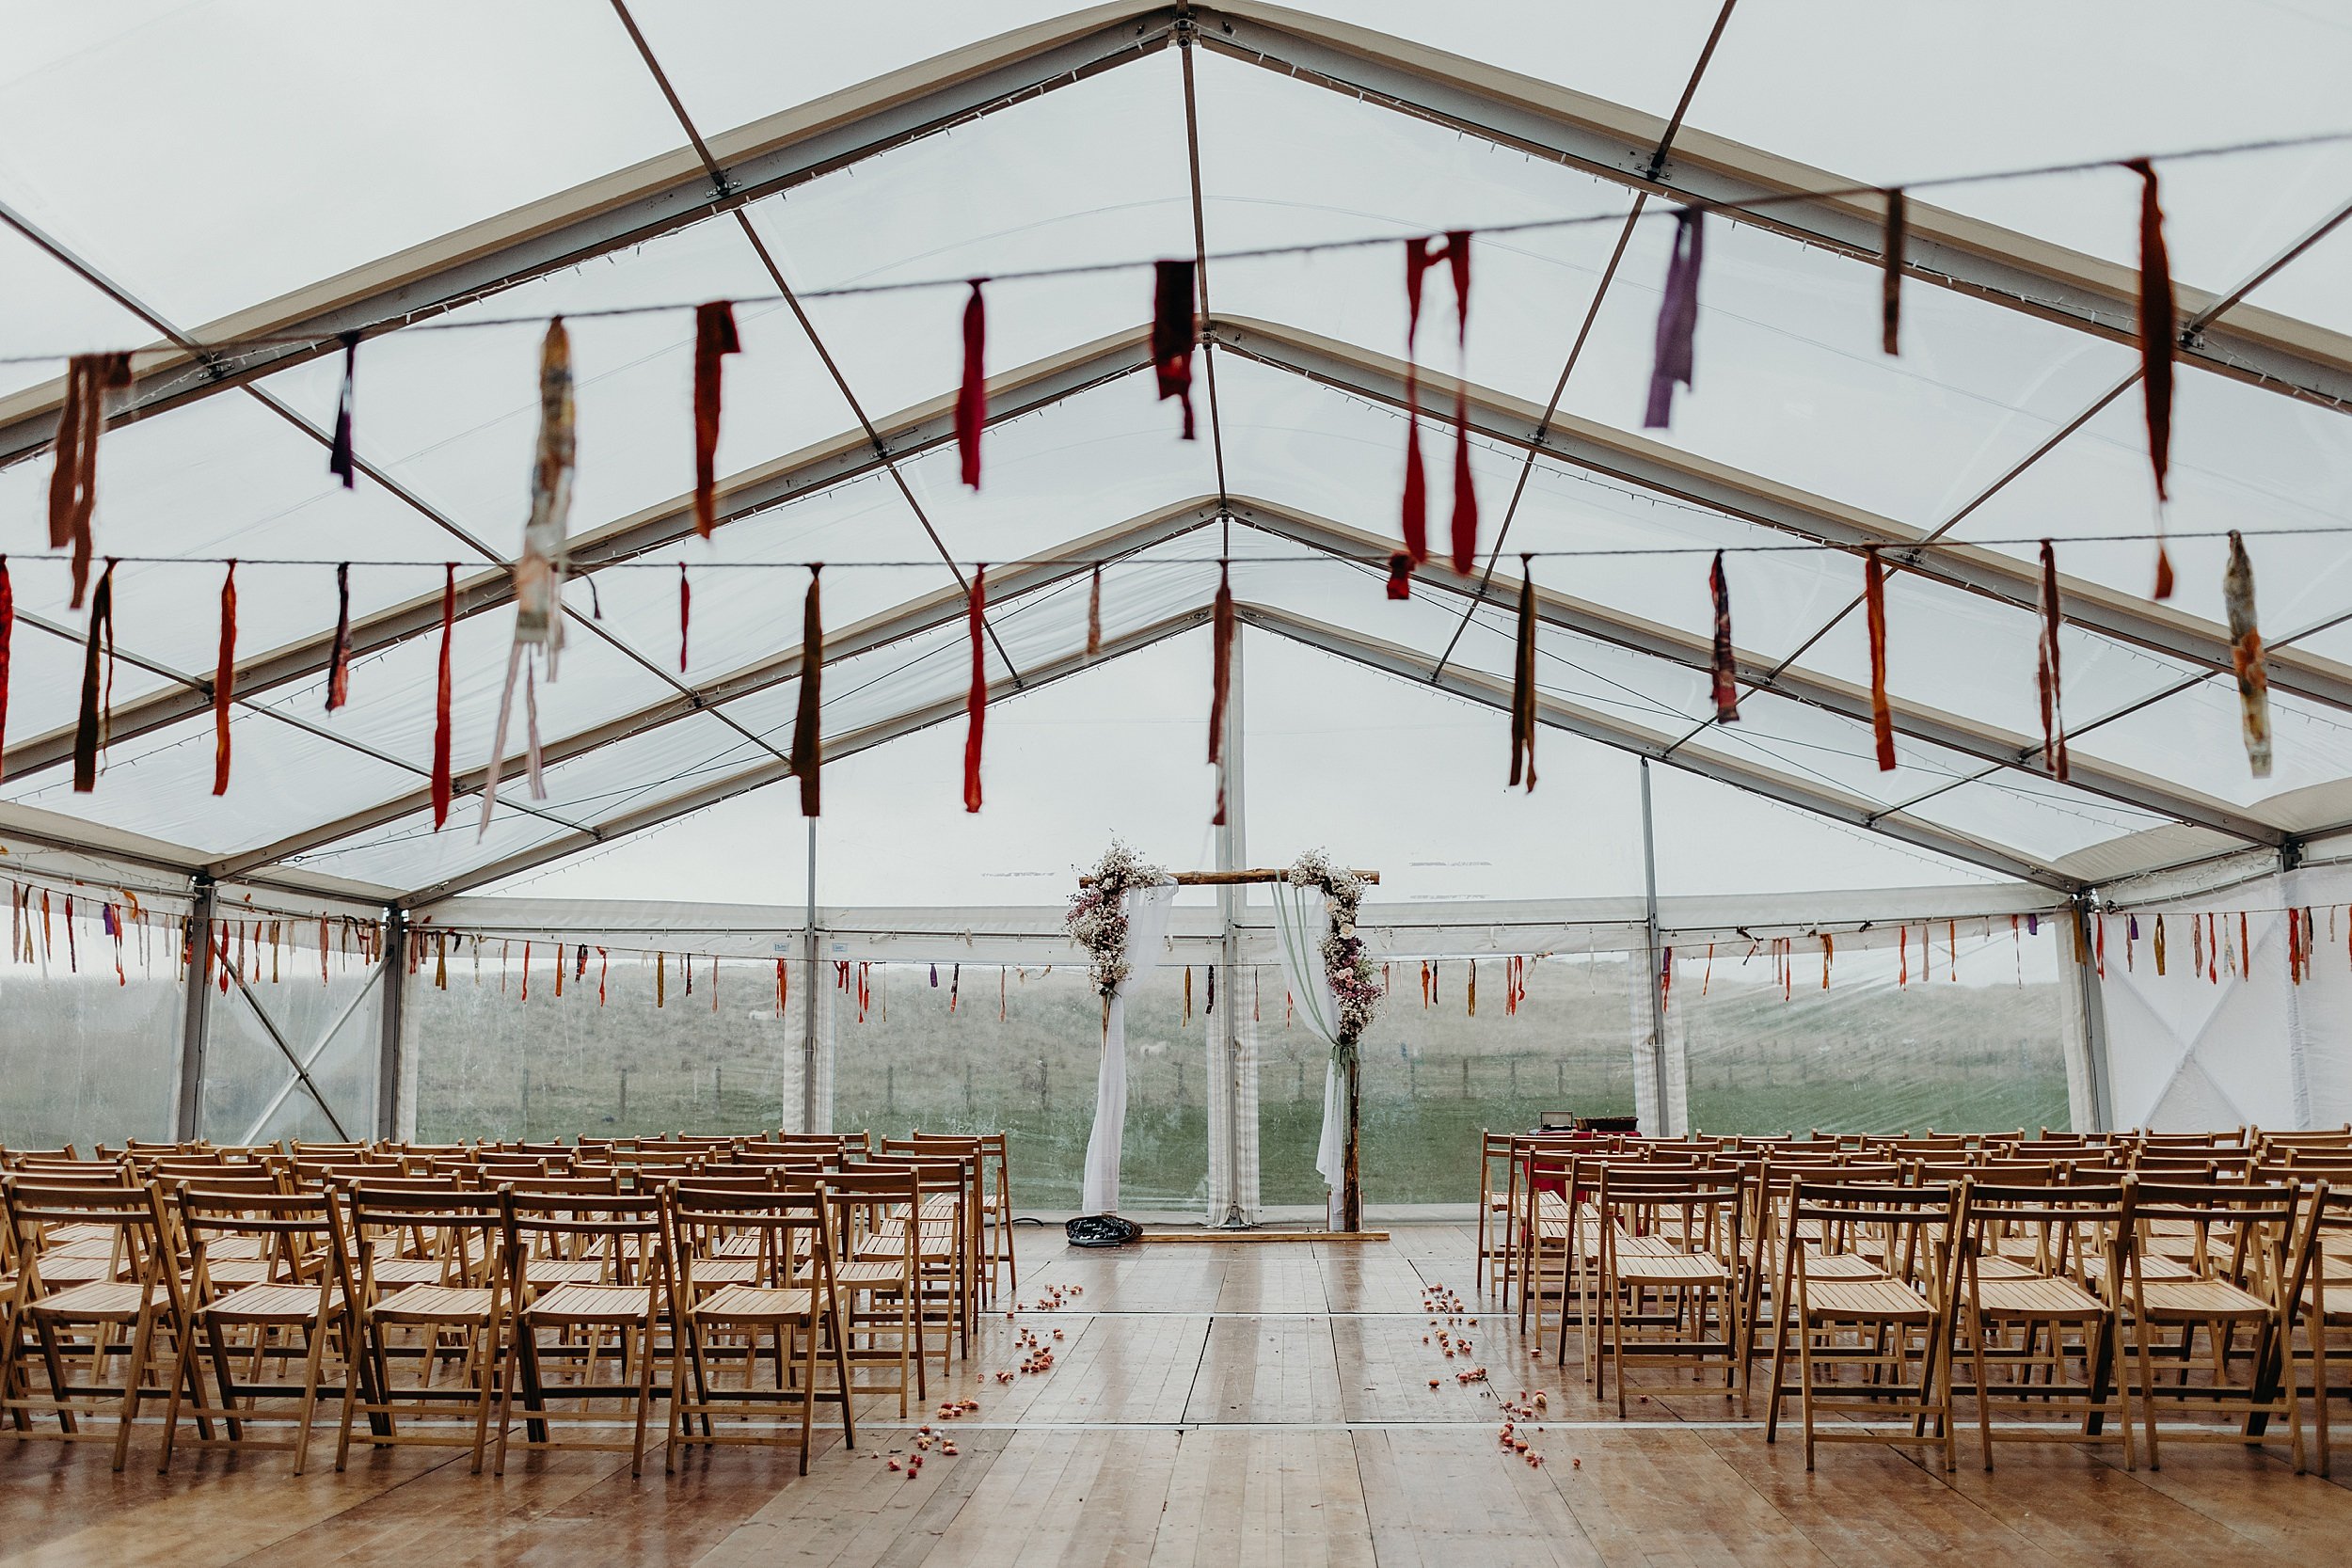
<point>780,152</point>
<point>1820,800</point>
<point>839,458</point>
<point>863,738</point>
<point>1666,471</point>
<point>942,608</point>
<point>1984,742</point>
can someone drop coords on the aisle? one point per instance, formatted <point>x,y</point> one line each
<point>1209,1406</point>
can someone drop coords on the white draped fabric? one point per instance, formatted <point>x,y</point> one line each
<point>1302,917</point>
<point>1147,911</point>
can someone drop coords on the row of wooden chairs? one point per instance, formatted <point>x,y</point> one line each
<point>2207,1259</point>
<point>222,1285</point>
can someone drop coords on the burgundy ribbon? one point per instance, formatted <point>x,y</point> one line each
<point>1523,681</point>
<point>1725,671</point>
<point>685,614</point>
<point>224,680</point>
<point>1891,273</point>
<point>714,335</point>
<point>1173,333</point>
<point>1220,682</point>
<point>339,461</point>
<point>97,659</point>
<point>1678,319</point>
<point>972,396</point>
<point>807,745</point>
<point>2159,323</point>
<point>1457,251</point>
<point>1420,256</point>
<point>975,701</point>
<point>339,661</point>
<point>440,701</point>
<point>1874,596</point>
<point>1400,576</point>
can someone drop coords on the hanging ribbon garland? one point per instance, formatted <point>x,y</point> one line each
<point>1891,273</point>
<point>972,392</point>
<point>440,700</point>
<point>2245,657</point>
<point>2159,328</point>
<point>98,680</point>
<point>1673,360</point>
<point>1726,676</point>
<point>8,637</point>
<point>807,746</point>
<point>1523,684</point>
<point>714,337</point>
<point>1874,596</point>
<point>224,680</point>
<point>339,657</point>
<point>73,483</point>
<point>2052,712</point>
<point>976,699</point>
<point>1174,331</point>
<point>340,461</point>
<point>1220,682</point>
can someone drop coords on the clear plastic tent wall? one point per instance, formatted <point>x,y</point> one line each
<point>856,160</point>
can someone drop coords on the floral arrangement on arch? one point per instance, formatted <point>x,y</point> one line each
<point>1353,978</point>
<point>1097,916</point>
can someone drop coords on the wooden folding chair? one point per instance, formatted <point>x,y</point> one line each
<point>623,1237</point>
<point>789,1300</point>
<point>1668,1287</point>
<point>437,1295</point>
<point>880,1270</point>
<point>289,1303</point>
<point>942,1245</point>
<point>1889,1317</point>
<point>82,1314</point>
<point>2237,1281</point>
<point>2322,1292</point>
<point>2014,1313</point>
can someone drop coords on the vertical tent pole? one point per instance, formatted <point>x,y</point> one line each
<point>1224,1039</point>
<point>189,1101</point>
<point>1657,993</point>
<point>2094,1018</point>
<point>808,993</point>
<point>387,1049</point>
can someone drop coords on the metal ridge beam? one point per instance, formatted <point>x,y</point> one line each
<point>625,208</point>
<point>836,747</point>
<point>1668,470</point>
<point>1821,799</point>
<point>835,460</point>
<point>943,608</point>
<point>1617,143</point>
<point>1983,742</point>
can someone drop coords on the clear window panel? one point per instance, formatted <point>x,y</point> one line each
<point>88,1055</point>
<point>1956,1028</point>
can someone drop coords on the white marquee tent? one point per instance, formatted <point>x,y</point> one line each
<point>442,179</point>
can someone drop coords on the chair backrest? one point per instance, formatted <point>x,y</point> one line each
<point>33,1209</point>
<point>2242,1230</point>
<point>459,1227</point>
<point>626,1232</point>
<point>1912,1226</point>
<point>791,1226</point>
<point>2065,1223</point>
<point>302,1233</point>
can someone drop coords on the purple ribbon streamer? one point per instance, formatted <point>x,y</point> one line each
<point>1678,320</point>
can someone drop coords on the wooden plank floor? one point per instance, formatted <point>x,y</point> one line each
<point>1208,1407</point>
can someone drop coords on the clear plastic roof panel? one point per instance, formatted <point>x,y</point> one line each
<point>1999,425</point>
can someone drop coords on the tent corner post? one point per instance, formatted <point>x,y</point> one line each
<point>2090,1021</point>
<point>389,1052</point>
<point>196,967</point>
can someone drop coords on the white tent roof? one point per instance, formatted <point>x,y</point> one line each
<point>405,173</point>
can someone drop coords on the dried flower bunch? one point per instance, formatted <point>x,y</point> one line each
<point>1097,918</point>
<point>1353,978</point>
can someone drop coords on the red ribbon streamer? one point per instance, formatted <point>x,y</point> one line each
<point>714,335</point>
<point>224,680</point>
<point>1891,273</point>
<point>1220,682</point>
<point>1173,334</point>
<point>338,456</point>
<point>1415,523</point>
<point>807,746</point>
<point>440,703</point>
<point>339,661</point>
<point>976,702</point>
<point>1420,256</point>
<point>1524,682</point>
<point>2159,319</point>
<point>972,396</point>
<point>1727,672</point>
<point>1457,250</point>
<point>685,614</point>
<point>2052,712</point>
<point>98,679</point>
<point>1874,596</point>
<point>73,484</point>
<point>1400,576</point>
